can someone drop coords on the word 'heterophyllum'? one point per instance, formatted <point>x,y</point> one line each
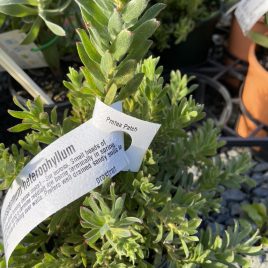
<point>156,216</point>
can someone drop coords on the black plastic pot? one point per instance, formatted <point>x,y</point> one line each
<point>6,120</point>
<point>194,50</point>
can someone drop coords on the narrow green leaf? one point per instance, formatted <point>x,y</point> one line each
<point>138,52</point>
<point>94,10</point>
<point>151,13</point>
<point>121,44</point>
<point>259,38</point>
<point>92,236</point>
<point>160,233</point>
<point>22,2</point>
<point>110,96</point>
<point>20,114</point>
<point>125,72</point>
<point>20,127</point>
<point>54,116</point>
<point>131,87</point>
<point>128,221</point>
<point>54,28</point>
<point>33,33</point>
<point>91,65</point>
<point>121,232</point>
<point>88,46</point>
<point>133,10</point>
<point>91,82</point>
<point>18,10</point>
<point>115,24</point>
<point>145,31</point>
<point>185,248</point>
<point>107,64</point>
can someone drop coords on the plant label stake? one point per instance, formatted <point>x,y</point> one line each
<point>248,12</point>
<point>22,78</point>
<point>70,167</point>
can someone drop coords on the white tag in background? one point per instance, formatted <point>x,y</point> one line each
<point>69,168</point>
<point>248,12</point>
<point>21,54</point>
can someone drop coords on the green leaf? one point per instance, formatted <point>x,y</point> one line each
<point>33,33</point>
<point>121,232</point>
<point>94,10</point>
<point>121,44</point>
<point>139,51</point>
<point>128,221</point>
<point>89,64</point>
<point>20,127</point>
<point>115,24</point>
<point>131,87</point>
<point>107,64</point>
<point>145,31</point>
<point>23,2</point>
<point>54,28</point>
<point>185,248</point>
<point>54,116</point>
<point>92,236</point>
<point>169,238</point>
<point>18,10</point>
<point>125,72</point>
<point>133,10</point>
<point>151,13</point>
<point>67,125</point>
<point>91,51</point>
<point>20,114</point>
<point>259,38</point>
<point>110,96</point>
<point>160,233</point>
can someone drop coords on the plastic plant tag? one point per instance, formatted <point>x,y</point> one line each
<point>23,55</point>
<point>69,168</point>
<point>141,132</point>
<point>248,12</point>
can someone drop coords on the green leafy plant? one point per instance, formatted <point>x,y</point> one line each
<point>156,216</point>
<point>180,18</point>
<point>257,213</point>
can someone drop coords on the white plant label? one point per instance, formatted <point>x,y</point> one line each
<point>248,12</point>
<point>21,54</point>
<point>70,167</point>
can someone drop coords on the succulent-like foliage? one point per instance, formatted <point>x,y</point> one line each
<point>180,18</point>
<point>155,217</point>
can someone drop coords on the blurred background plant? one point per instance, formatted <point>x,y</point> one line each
<point>44,22</point>
<point>257,213</point>
<point>181,17</point>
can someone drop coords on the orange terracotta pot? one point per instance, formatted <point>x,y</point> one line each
<point>238,44</point>
<point>254,97</point>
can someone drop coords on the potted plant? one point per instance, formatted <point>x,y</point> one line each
<point>254,94</point>
<point>156,216</point>
<point>183,25</point>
